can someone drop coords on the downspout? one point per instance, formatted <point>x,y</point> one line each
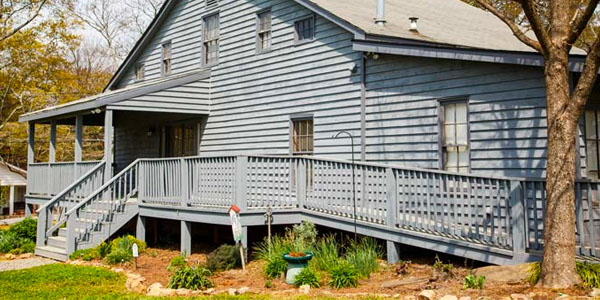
<point>363,107</point>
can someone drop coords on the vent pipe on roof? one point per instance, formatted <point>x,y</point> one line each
<point>380,17</point>
<point>413,24</point>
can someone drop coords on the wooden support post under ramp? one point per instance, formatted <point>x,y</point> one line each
<point>186,238</point>
<point>393,252</point>
<point>140,229</point>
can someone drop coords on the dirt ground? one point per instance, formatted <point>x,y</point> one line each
<point>153,266</point>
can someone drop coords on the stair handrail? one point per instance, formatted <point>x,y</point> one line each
<point>71,214</point>
<point>43,211</point>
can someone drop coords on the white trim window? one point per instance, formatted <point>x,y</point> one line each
<point>304,30</point>
<point>263,31</point>
<point>592,143</point>
<point>455,136</point>
<point>140,72</point>
<point>210,41</point>
<point>166,58</point>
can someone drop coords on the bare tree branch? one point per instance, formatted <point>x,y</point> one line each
<point>532,13</point>
<point>580,21</point>
<point>511,24</point>
<point>25,23</point>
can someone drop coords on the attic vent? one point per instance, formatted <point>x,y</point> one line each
<point>212,3</point>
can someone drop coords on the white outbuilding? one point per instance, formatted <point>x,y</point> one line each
<point>15,179</point>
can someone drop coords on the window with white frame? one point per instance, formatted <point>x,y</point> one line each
<point>140,71</point>
<point>592,143</point>
<point>304,30</point>
<point>455,135</point>
<point>263,31</point>
<point>211,40</point>
<point>166,58</point>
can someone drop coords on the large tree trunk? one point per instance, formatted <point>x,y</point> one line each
<point>558,264</point>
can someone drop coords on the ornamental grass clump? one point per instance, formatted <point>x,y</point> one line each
<point>272,254</point>
<point>191,278</point>
<point>363,255</point>
<point>177,263</point>
<point>325,254</point>
<point>121,249</point>
<point>307,277</point>
<point>343,275</point>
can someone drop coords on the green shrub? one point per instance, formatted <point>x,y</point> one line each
<point>268,284</point>
<point>303,236</point>
<point>118,256</point>
<point>589,273</point>
<point>176,263</point>
<point>193,278</point>
<point>474,282</point>
<point>126,243</point>
<point>363,255</point>
<point>225,257</point>
<point>9,241</point>
<point>325,254</point>
<point>26,229</point>
<point>307,277</point>
<point>276,267</point>
<point>343,275</point>
<point>104,249</point>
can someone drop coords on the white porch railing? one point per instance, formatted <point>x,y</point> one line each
<point>48,179</point>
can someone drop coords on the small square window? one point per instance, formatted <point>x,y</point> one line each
<point>140,71</point>
<point>166,58</point>
<point>304,30</point>
<point>263,31</point>
<point>211,40</point>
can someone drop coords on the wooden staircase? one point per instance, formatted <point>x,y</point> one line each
<point>64,226</point>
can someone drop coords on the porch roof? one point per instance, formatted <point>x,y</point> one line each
<point>11,175</point>
<point>113,98</point>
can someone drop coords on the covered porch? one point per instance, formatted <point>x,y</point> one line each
<point>151,120</point>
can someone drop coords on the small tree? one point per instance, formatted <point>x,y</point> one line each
<point>558,25</point>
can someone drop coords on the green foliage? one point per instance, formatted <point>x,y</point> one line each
<point>268,284</point>
<point>363,255</point>
<point>104,249</point>
<point>8,241</point>
<point>446,269</point>
<point>85,254</point>
<point>272,254</point>
<point>225,257</point>
<point>126,243</point>
<point>26,229</point>
<point>177,263</point>
<point>325,253</point>
<point>307,277</point>
<point>474,282</point>
<point>192,278</point>
<point>118,256</point>
<point>343,275</point>
<point>589,273</point>
<point>303,236</point>
<point>534,272</point>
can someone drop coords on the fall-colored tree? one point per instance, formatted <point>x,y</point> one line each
<point>558,25</point>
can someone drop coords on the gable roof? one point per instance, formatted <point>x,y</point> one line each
<point>12,175</point>
<point>441,22</point>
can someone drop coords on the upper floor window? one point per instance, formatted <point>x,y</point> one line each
<point>303,137</point>
<point>211,40</point>
<point>304,30</point>
<point>166,58</point>
<point>140,71</point>
<point>455,136</point>
<point>263,31</point>
<point>592,143</point>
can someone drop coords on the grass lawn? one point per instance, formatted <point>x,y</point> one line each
<point>60,281</point>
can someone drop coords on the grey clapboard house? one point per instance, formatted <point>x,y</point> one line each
<point>226,102</point>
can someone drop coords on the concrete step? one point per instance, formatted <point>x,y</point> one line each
<point>57,241</point>
<point>52,253</point>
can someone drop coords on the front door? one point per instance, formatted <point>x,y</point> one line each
<point>180,140</point>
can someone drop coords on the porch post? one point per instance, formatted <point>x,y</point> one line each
<point>52,151</point>
<point>78,138</point>
<point>11,201</point>
<point>186,238</point>
<point>140,229</point>
<point>393,252</point>
<point>108,137</point>
<point>31,144</point>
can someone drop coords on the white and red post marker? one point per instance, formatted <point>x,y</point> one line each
<point>236,227</point>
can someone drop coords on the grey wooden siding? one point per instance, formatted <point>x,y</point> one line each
<point>132,140</point>
<point>188,98</point>
<point>183,29</point>
<point>507,113</point>
<point>254,95</point>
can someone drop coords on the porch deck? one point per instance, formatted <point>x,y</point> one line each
<point>492,219</point>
